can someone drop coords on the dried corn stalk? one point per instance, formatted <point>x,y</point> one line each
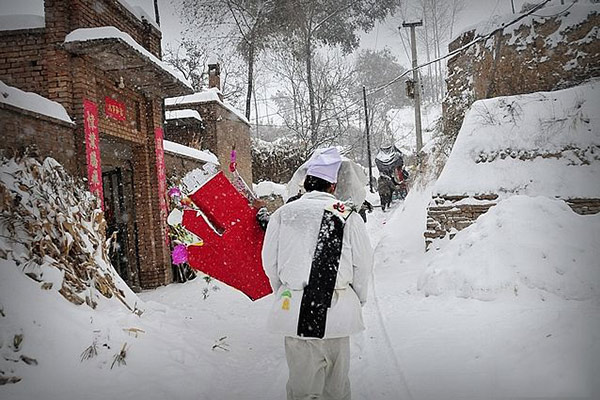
<point>48,220</point>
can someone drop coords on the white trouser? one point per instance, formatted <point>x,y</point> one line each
<point>318,368</point>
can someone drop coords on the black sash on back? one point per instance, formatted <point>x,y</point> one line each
<point>323,274</point>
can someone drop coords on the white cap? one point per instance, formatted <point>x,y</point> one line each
<point>325,164</point>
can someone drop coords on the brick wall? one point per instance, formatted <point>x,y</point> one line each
<point>505,65</point>
<point>51,137</point>
<point>223,129</point>
<point>191,134</point>
<point>178,165</point>
<point>22,59</point>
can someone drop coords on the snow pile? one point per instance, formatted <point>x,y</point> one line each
<point>544,143</point>
<point>52,246</point>
<point>139,13</point>
<point>32,102</point>
<point>206,96</point>
<point>110,32</point>
<point>267,188</point>
<point>523,242</point>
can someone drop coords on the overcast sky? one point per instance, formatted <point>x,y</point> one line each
<point>384,35</point>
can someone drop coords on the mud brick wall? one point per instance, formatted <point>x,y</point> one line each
<point>505,65</point>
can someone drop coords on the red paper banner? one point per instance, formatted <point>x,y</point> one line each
<point>115,109</point>
<point>92,149</point>
<point>162,178</point>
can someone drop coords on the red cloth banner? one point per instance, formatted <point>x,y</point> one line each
<point>115,109</point>
<point>162,178</point>
<point>233,255</point>
<point>92,149</point>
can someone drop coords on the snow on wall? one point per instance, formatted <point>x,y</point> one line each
<point>537,243</point>
<point>205,96</point>
<point>32,102</point>
<point>544,143</point>
<point>202,155</point>
<point>110,32</point>
<point>23,21</point>
<point>178,114</point>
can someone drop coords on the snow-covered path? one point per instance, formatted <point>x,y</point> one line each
<point>532,345</point>
<point>256,358</point>
<point>414,347</point>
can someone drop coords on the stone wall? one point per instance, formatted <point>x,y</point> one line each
<point>446,215</point>
<point>526,60</point>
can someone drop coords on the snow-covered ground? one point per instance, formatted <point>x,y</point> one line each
<point>525,341</point>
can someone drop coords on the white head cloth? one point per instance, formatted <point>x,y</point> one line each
<point>351,181</point>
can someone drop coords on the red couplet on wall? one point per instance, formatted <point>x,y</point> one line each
<point>231,250</point>
<point>162,178</point>
<point>115,109</point>
<point>92,149</point>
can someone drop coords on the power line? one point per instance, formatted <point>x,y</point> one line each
<point>355,105</point>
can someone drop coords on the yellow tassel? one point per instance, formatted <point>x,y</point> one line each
<point>286,304</point>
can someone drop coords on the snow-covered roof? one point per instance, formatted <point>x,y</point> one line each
<point>568,14</point>
<point>206,96</point>
<point>179,114</point>
<point>536,144</point>
<point>21,21</point>
<point>32,102</point>
<point>202,155</point>
<point>110,32</point>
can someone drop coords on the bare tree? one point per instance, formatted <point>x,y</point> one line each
<point>241,24</point>
<point>308,24</point>
<point>334,87</point>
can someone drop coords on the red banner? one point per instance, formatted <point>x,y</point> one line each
<point>92,149</point>
<point>115,109</point>
<point>162,179</point>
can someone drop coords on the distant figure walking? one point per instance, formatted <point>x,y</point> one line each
<point>385,187</point>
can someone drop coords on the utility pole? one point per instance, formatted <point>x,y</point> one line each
<point>413,45</point>
<point>512,3</point>
<point>368,139</point>
<point>156,15</point>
